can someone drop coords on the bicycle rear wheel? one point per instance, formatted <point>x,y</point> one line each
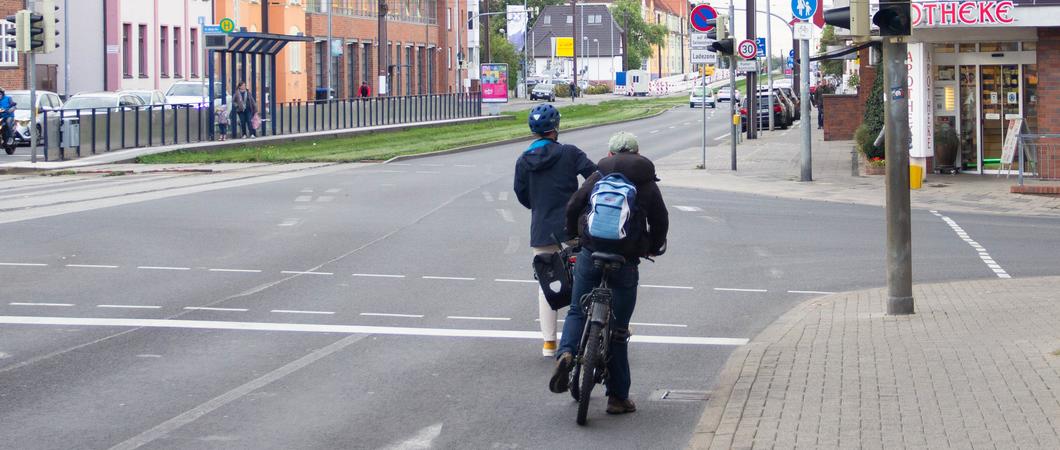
<point>590,361</point>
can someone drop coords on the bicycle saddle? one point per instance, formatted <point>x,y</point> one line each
<point>609,257</point>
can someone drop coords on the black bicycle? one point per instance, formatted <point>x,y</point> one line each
<point>590,360</point>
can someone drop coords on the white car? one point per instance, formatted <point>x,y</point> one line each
<point>702,96</point>
<point>46,101</point>
<point>725,95</point>
<point>149,96</point>
<point>194,93</point>
<point>102,102</point>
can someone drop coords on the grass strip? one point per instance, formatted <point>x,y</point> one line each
<point>385,145</point>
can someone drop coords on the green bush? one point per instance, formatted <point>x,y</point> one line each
<point>563,90</point>
<point>598,89</point>
<point>873,121</point>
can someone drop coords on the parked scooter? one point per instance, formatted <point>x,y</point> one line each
<point>7,131</point>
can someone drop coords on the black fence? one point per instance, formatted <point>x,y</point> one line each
<point>70,134</point>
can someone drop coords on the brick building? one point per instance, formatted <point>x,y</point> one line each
<point>12,74</point>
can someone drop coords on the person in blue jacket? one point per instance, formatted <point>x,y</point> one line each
<point>546,175</point>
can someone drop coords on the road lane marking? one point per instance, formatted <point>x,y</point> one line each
<point>506,215</point>
<point>92,266</point>
<point>502,196</point>
<point>325,198</point>
<point>433,165</point>
<point>463,165</point>
<point>653,131</point>
<point>513,245</point>
<point>130,306</point>
<point>477,318</point>
<point>399,164</point>
<point>662,286</point>
<point>289,222</point>
<point>210,308</point>
<point>811,292</point>
<point>488,196</point>
<point>23,264</point>
<point>306,272</point>
<point>649,324</point>
<point>428,171</point>
<point>688,208</point>
<point>740,290</point>
<point>377,275</point>
<point>236,270</point>
<point>39,304</point>
<point>448,278</point>
<point>980,250</point>
<point>347,329</point>
<point>721,137</point>
<point>162,268</point>
<point>414,316</point>
<point>506,280</point>
<point>296,311</point>
<point>307,190</point>
<point>423,439</point>
<point>333,191</point>
<point>303,198</point>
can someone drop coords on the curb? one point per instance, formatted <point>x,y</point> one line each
<point>514,140</point>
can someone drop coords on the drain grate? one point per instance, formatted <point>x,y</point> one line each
<point>679,395</point>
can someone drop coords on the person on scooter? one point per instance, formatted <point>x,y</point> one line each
<point>646,238</point>
<point>7,116</point>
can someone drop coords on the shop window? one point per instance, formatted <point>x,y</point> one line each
<point>997,46</point>
<point>945,73</point>
<point>944,48</point>
<point>968,48</point>
<point>1030,96</point>
<point>1030,46</point>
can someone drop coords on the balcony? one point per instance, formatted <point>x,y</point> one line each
<point>409,11</point>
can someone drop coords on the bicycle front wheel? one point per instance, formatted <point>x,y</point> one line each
<point>590,361</point>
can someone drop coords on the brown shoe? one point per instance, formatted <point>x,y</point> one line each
<point>561,376</point>
<point>619,406</point>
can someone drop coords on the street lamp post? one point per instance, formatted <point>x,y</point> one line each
<point>597,41</point>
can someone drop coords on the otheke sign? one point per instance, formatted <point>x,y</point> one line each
<point>961,13</point>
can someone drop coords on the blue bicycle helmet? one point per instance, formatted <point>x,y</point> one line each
<point>544,118</point>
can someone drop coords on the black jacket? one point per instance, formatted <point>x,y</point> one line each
<point>545,177</point>
<point>650,210</point>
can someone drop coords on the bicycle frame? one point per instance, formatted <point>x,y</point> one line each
<point>598,311</point>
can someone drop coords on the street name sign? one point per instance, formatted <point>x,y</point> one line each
<point>212,29</point>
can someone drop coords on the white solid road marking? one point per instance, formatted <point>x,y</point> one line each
<point>980,250</point>
<point>348,329</point>
<point>303,198</point>
<point>295,311</point>
<point>660,286</point>
<point>414,316</point>
<point>377,275</point>
<point>289,222</point>
<point>506,215</point>
<point>671,325</point>
<point>129,306</point>
<point>39,304</point>
<point>422,440</point>
<point>299,272</point>
<point>811,292</point>
<point>476,318</point>
<point>463,165</point>
<point>162,268</point>
<point>506,280</point>
<point>688,208</point>
<point>210,308</point>
<point>740,290</point>
<point>24,264</point>
<point>721,137</point>
<point>333,190</point>
<point>92,266</point>
<point>428,171</point>
<point>448,278</point>
<point>236,270</point>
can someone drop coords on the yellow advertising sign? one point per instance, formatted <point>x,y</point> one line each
<point>564,47</point>
<point>708,70</point>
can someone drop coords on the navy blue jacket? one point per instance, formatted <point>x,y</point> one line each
<point>546,175</point>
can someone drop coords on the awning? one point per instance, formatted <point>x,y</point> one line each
<point>261,43</point>
<point>837,53</point>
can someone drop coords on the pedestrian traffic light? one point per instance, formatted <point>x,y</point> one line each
<point>893,18</point>
<point>36,32</point>
<point>20,32</point>
<point>854,18</point>
<point>48,10</point>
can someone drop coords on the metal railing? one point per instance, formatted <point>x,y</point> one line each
<point>69,134</point>
<point>1039,156</point>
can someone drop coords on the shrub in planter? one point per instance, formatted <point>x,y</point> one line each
<point>562,90</point>
<point>873,121</point>
<point>598,89</point>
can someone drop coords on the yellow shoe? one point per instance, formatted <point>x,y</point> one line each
<point>548,349</point>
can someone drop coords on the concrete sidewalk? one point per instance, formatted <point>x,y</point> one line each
<point>770,166</point>
<point>977,366</point>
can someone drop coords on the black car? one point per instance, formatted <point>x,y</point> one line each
<point>779,112</point>
<point>543,91</point>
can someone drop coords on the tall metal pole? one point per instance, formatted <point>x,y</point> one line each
<point>896,129</point>
<point>459,24</point>
<point>66,48</point>
<point>703,99</point>
<point>734,129</point>
<point>752,79</point>
<point>769,60</point>
<point>806,174</point>
<point>383,50</point>
<point>32,69</point>
<point>574,49</point>
<point>486,22</point>
<point>327,84</point>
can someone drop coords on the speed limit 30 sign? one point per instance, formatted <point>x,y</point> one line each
<point>747,49</point>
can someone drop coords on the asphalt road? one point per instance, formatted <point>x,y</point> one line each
<point>391,306</point>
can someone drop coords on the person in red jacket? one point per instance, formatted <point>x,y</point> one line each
<point>365,91</point>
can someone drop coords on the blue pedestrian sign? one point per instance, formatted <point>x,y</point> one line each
<point>761,46</point>
<point>791,53</point>
<point>803,9</point>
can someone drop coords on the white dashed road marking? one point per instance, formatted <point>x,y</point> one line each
<point>488,196</point>
<point>129,306</point>
<point>983,254</point>
<point>295,311</point>
<point>303,198</point>
<point>653,131</point>
<point>448,278</point>
<point>740,290</point>
<point>325,198</point>
<point>477,318</point>
<point>377,275</point>
<point>659,286</point>
<point>671,325</point>
<point>298,272</point>
<point>24,264</point>
<point>721,137</point>
<point>210,308</point>
<point>506,215</point>
<point>413,316</point>
<point>289,222</point>
<point>92,266</point>
<point>811,292</point>
<point>688,208</point>
<point>463,165</point>
<point>162,268</point>
<point>39,304</point>
<point>333,190</point>
<point>428,171</point>
<point>502,196</point>
<point>505,280</point>
<point>236,270</point>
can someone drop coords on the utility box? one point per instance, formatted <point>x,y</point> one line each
<point>70,133</point>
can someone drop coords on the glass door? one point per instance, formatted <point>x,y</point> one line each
<point>969,118</point>
<point>999,100</point>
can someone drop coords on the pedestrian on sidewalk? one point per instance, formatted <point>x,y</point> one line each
<point>245,108</point>
<point>818,102</point>
<point>220,115</point>
<point>546,175</point>
<point>365,91</point>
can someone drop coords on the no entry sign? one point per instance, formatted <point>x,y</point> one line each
<point>699,17</point>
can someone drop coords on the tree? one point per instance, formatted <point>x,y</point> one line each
<point>829,66</point>
<point>640,35</point>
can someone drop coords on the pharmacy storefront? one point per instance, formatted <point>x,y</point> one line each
<point>974,67</point>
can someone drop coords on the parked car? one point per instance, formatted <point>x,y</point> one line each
<point>724,94</point>
<point>544,91</point>
<point>46,101</point>
<point>195,93</point>
<point>102,101</point>
<point>785,102</point>
<point>790,93</point>
<point>149,96</point>
<point>779,113</point>
<point>702,96</point>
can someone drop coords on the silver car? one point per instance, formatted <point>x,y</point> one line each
<point>46,101</point>
<point>149,96</point>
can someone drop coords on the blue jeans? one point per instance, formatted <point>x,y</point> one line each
<point>623,284</point>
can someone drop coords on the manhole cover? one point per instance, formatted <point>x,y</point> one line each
<point>679,395</point>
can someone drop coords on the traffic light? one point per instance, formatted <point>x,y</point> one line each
<point>854,18</point>
<point>48,9</point>
<point>723,46</point>
<point>20,31</point>
<point>893,18</point>
<point>721,27</point>
<point>36,32</point>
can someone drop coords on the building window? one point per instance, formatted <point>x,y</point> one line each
<point>449,58</point>
<point>449,19</point>
<point>178,60</point>
<point>1029,46</point>
<point>143,51</point>
<point>163,37</point>
<point>126,48</point>
<point>366,67</point>
<point>295,52</point>
<point>570,19</point>
<point>318,62</point>
<point>193,41</point>
<point>8,56</point>
<point>548,20</point>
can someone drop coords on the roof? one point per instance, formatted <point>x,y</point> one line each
<point>261,43</point>
<point>541,33</point>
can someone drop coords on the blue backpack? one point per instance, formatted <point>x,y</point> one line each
<point>611,208</point>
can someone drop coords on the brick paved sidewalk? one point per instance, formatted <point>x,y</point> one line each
<point>978,366</point>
